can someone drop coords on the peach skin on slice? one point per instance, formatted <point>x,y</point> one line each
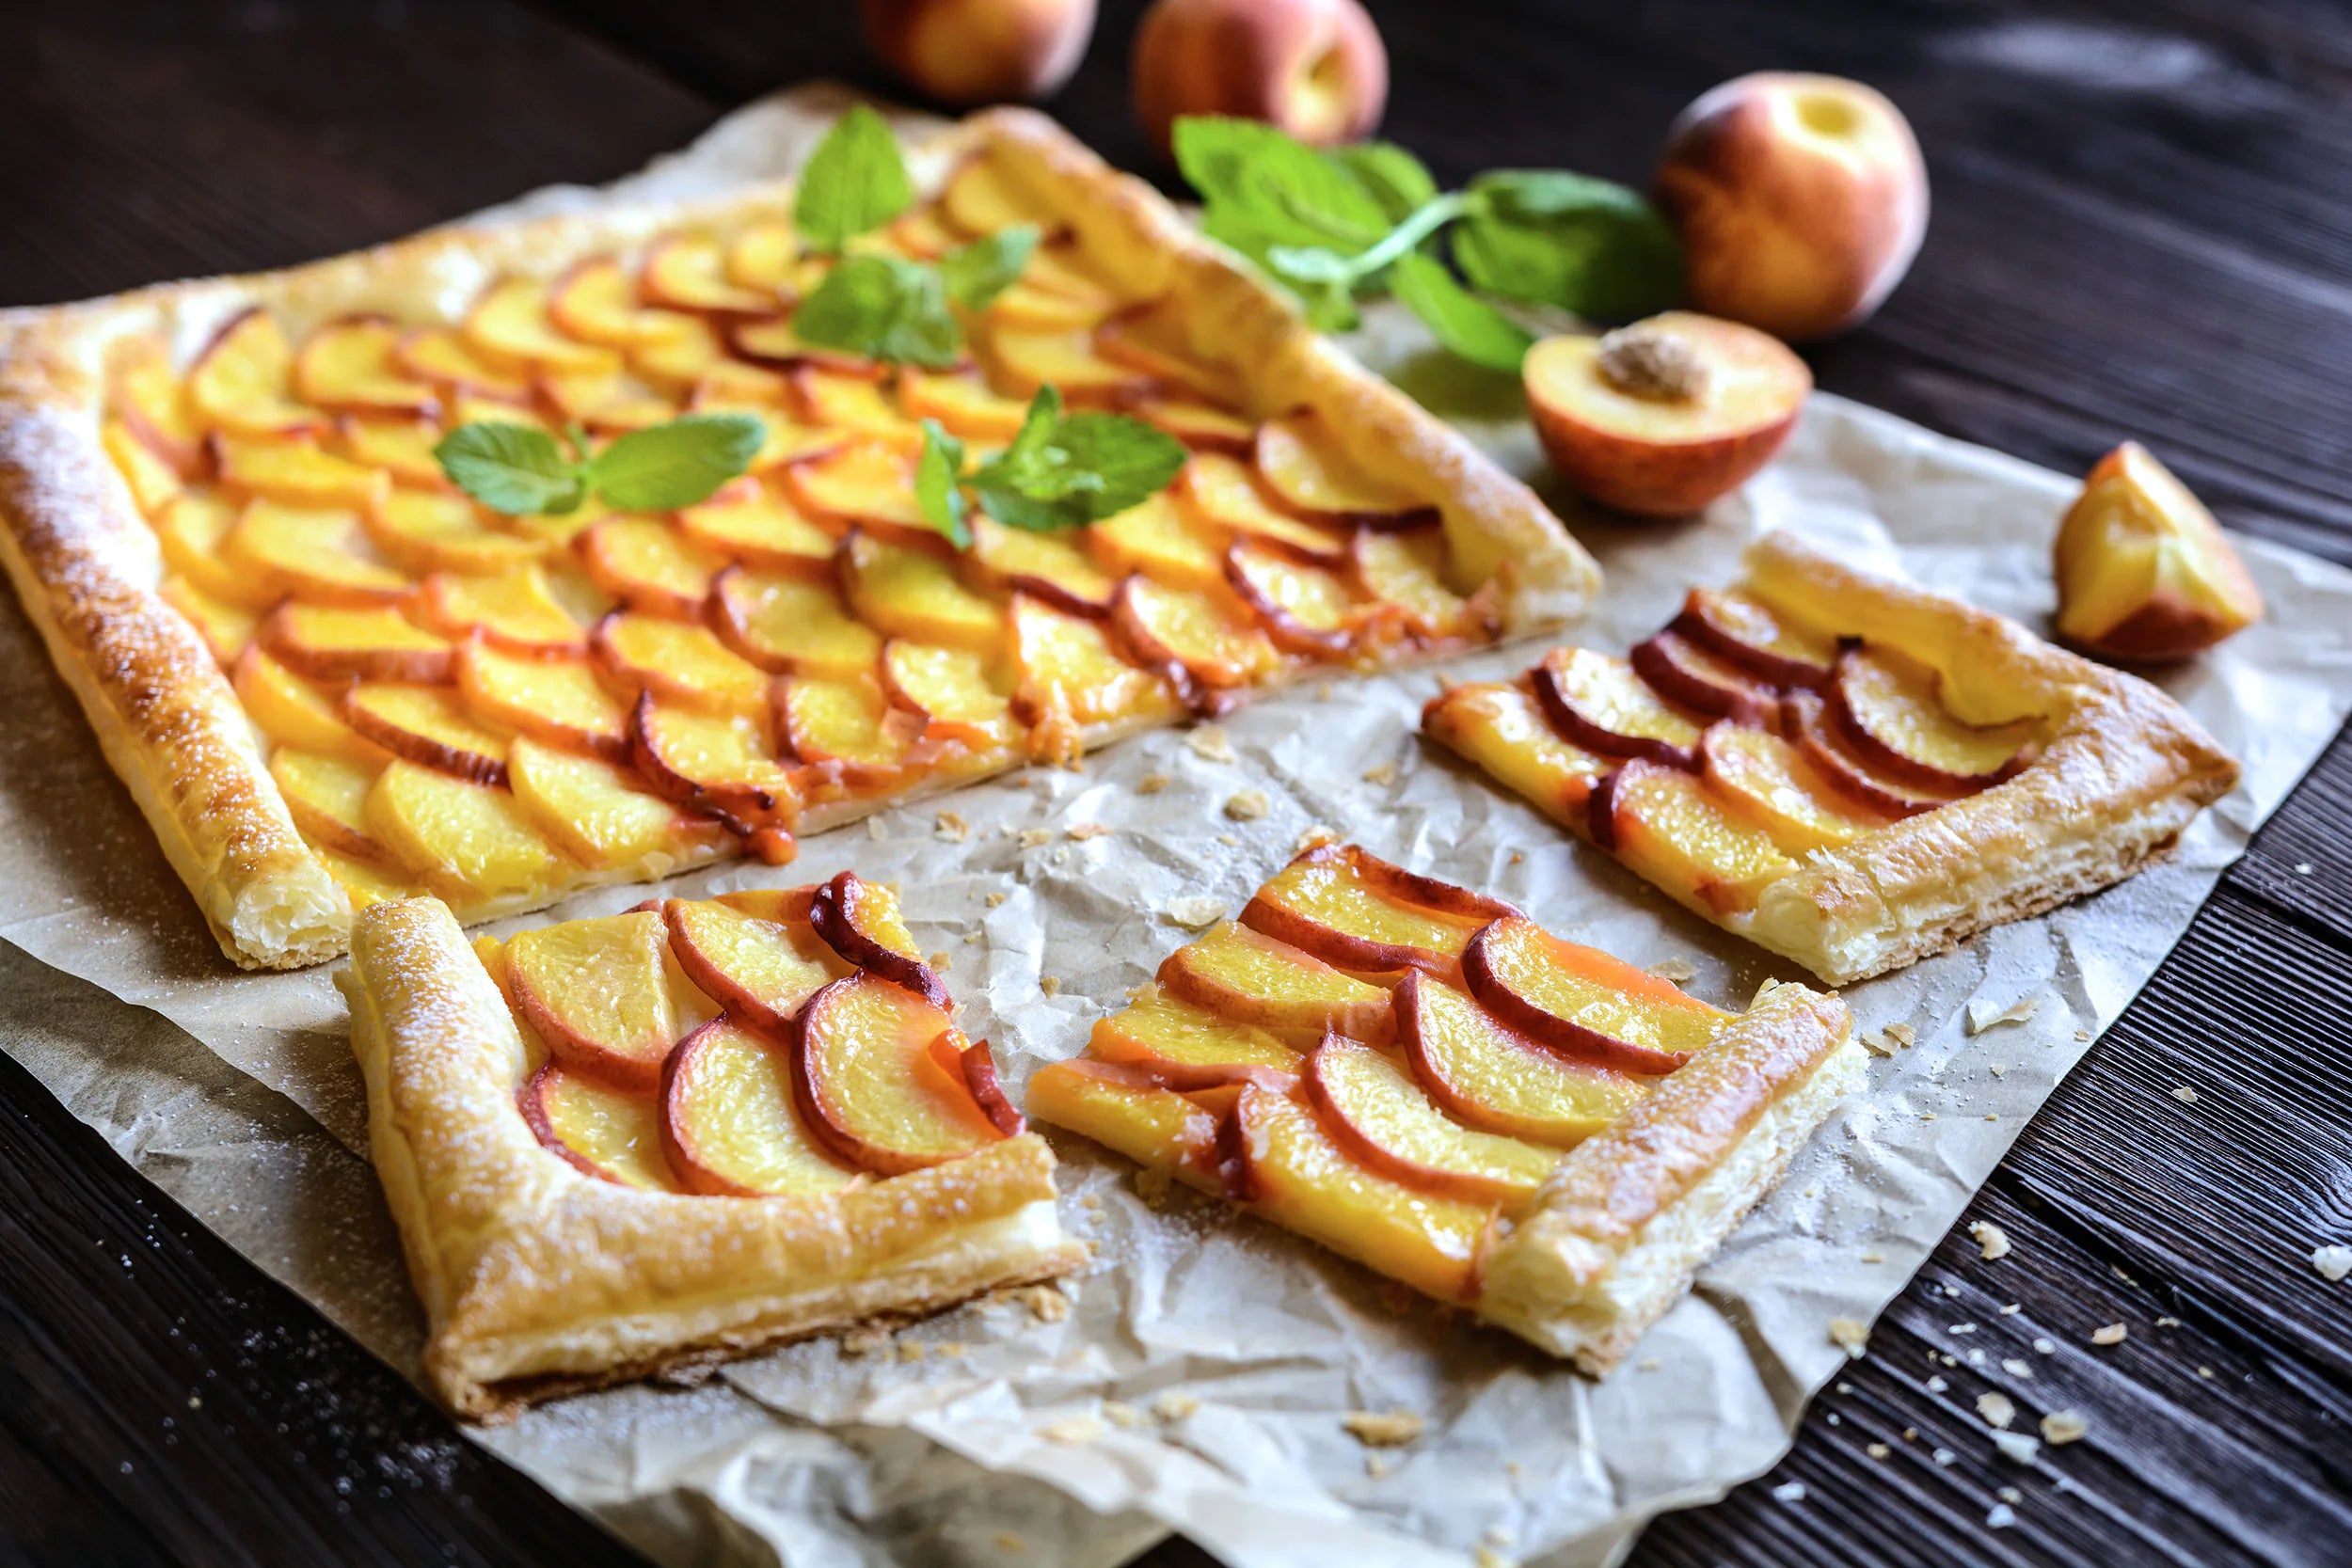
<point>1891,711</point>
<point>912,591</point>
<point>1193,632</point>
<point>858,482</point>
<point>295,712</point>
<point>1360,913</point>
<point>762,969</point>
<point>1690,676</point>
<point>510,322</point>
<point>1247,978</point>
<point>1779,789</point>
<point>598,1130</point>
<point>1581,1003</point>
<point>1664,825</point>
<point>604,996</point>
<point>1484,1075</point>
<point>867,1084</point>
<point>953,690</point>
<point>1600,703</point>
<point>1748,632</point>
<point>859,922</point>
<point>723,762</point>
<point>1201,426</point>
<point>442,356</point>
<point>1122,1107</point>
<point>1161,540</point>
<point>1302,463</point>
<point>975,1064</point>
<point>649,566</point>
<point>297,472</point>
<point>1071,676</point>
<point>746,521</point>
<point>1184,1047</point>
<point>1813,731</point>
<point>1222,494</point>
<point>558,701</point>
<point>242,380</point>
<point>1404,568</point>
<point>1013,560</point>
<point>337,644</point>
<point>727,1123</point>
<point>1029,358</point>
<point>347,365</point>
<point>602,816</point>
<point>517,614</point>
<point>1303,608</point>
<point>847,735</point>
<point>791,624</point>
<point>430,727</point>
<point>323,554</point>
<point>1503,730</point>
<point>1372,1107</point>
<point>327,797</point>
<point>152,401</point>
<point>678,662</point>
<point>596,302</point>
<point>468,842</point>
<point>688,272</point>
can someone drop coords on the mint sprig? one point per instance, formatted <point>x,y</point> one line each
<point>1060,472</point>
<point>518,469</point>
<point>854,182</point>
<point>898,310</point>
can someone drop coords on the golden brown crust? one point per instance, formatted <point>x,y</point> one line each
<point>88,572</point>
<point>537,1279</point>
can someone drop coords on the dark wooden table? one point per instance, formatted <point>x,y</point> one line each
<point>2143,227</point>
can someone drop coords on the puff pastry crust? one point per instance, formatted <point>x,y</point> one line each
<point>87,569</point>
<point>2110,774</point>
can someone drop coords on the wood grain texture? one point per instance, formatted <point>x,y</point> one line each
<point>2142,210</point>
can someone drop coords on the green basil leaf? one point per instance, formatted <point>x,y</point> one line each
<point>1260,187</point>
<point>886,307</point>
<point>1581,244</point>
<point>512,468</point>
<point>1465,324</point>
<point>938,488</point>
<point>976,274</point>
<point>665,467</point>
<point>1397,180</point>
<point>855,180</point>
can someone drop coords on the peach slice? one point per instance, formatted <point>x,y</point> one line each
<point>1598,703</point>
<point>150,400</point>
<point>1817,736</point>
<point>868,1086</point>
<point>468,842</point>
<point>1027,307</point>
<point>856,403</point>
<point>1482,1073</point>
<point>1026,358</point>
<point>596,302</point>
<point>763,257</point>
<point>558,701</point>
<point>152,484</point>
<point>1186,1047</point>
<point>952,690</point>
<point>322,555</point>
<point>1155,339</point>
<point>294,712</point>
<point>348,366</point>
<point>1068,677</point>
<point>402,448</point>
<point>787,624</point>
<point>509,322</point>
<point>1120,1108</point>
<point>425,531</point>
<point>923,233</point>
<point>1158,539</point>
<point>598,1130</point>
<point>980,198</point>
<point>600,816</point>
<point>747,522</point>
<point>190,529</point>
<point>606,402</point>
<point>723,762</point>
<point>907,590</point>
<point>1194,633</point>
<point>976,1064</point>
<point>688,272</point>
<point>363,883</point>
<point>1664,823</point>
<point>1303,462</point>
<point>517,614</point>
<point>430,727</point>
<point>1662,417</point>
<point>762,971</point>
<point>1060,266</point>
<point>327,797</point>
<point>1362,915</point>
<point>441,355</point>
<point>1753,635</point>
<point>1890,709</point>
<point>2143,570</point>
<point>336,643</point>
<point>727,1123</point>
<point>1222,493</point>
<point>297,472</point>
<point>773,344</point>
<point>1503,729</point>
<point>859,481</point>
<point>1201,426</point>
<point>962,403</point>
<point>677,362</point>
<point>1296,1174</point>
<point>1581,1003</point>
<point>845,733</point>
<point>1372,1107</point>
<point>861,922</point>
<point>649,566</point>
<point>1240,974</point>
<point>1304,608</point>
<point>1013,560</point>
<point>242,381</point>
<point>1406,569</point>
<point>604,995</point>
<point>677,661</point>
<point>1688,675</point>
<point>226,628</point>
<point>1777,787</point>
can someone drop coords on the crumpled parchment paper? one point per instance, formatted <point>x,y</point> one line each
<point>1199,1379</point>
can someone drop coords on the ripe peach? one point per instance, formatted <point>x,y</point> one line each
<point>2143,570</point>
<point>1314,69</point>
<point>1801,200</point>
<point>981,51</point>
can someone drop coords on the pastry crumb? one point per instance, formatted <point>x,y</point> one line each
<point>912,1350</point>
<point>1045,1303</point>
<point>2185,1095</point>
<point>873,826</point>
<point>2012,1310</point>
<point>1901,1034</point>
<point>951,828</point>
<point>2332,1262</point>
<point>1647,1364</point>
<point>1874,1258</point>
<point>1376,1430</point>
<point>1991,1240</point>
<point>2112,1334</point>
<point>1313,838</point>
<point>2010,1495</point>
<point>1072,1431</point>
<point>1033,838</point>
<point>868,1340</point>
<point>1850,1336</point>
<point>1999,1516</point>
<point>1944,1457</point>
<point>1120,1414</point>
<point>1789,1492</point>
<point>2082,1034</point>
<point>1084,831</point>
<point>1210,743</point>
<point>951,1350</point>
<point>1049,984</point>
<point>2064,1426</point>
<point>1485,1555</point>
<point>1378,1464</point>
<point>1247,805</point>
<point>1174,1405</point>
<point>1194,914</point>
<point>1998,1409</point>
<point>942,961</point>
<point>1674,970</point>
<point>1381,773</point>
<point>1151,1185</point>
<point>2205,1373</point>
<point>1007,1541</point>
<point>1229,841</point>
<point>2168,1322</point>
<point>2016,1446</point>
<point>997,900</point>
<point>2045,1346</point>
<point>1151,784</point>
<point>1984,1015</point>
<point>1878,1451</point>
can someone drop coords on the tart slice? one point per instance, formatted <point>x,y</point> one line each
<point>1854,773</point>
<point>1426,1080</point>
<point>621,1147</point>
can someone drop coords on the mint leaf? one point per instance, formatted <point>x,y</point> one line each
<point>1064,471</point>
<point>512,468</point>
<point>665,467</point>
<point>1261,188</point>
<point>886,307</point>
<point>1465,324</point>
<point>976,274</point>
<point>1568,240</point>
<point>938,490</point>
<point>854,182</point>
<point>1397,180</point>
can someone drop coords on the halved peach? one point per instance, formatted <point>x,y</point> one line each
<point>1665,824</point>
<point>859,481</point>
<point>1662,417</point>
<point>649,566</point>
<point>1750,634</point>
<point>596,302</point>
<point>861,922</point>
<point>295,712</point>
<point>869,1086</point>
<point>425,531</point>
<point>1071,677</point>
<point>688,272</point>
<point>598,1130</point>
<point>327,795</point>
<point>323,555</point>
<point>1303,462</point>
<point>1120,1106</point>
<point>907,590</point>
<point>1503,729</point>
<point>1250,977</point>
<point>152,402</point>
<point>401,447</point>
<point>728,1123</point>
<point>1782,791</point>
<point>785,622</point>
<point>348,366</point>
<point>1358,911</point>
<point>226,630</point>
<point>1489,1076</point>
<point>601,815</point>
<point>558,701</point>
<point>1822,742</point>
<point>1303,608</point>
<point>1373,1107</point>
<point>1186,1047</point>
<point>429,725</point>
<point>1159,539</point>
<point>510,322</point>
<point>1222,493</point>
<point>1055,569</point>
<point>337,644</point>
<point>847,735</point>
<point>1582,1003</point>
<point>242,381</point>
<point>723,762</point>
<point>678,662</point>
<point>952,688</point>
<point>1193,631</point>
<point>747,522</point>
<point>517,612</point>
<point>604,996</point>
<point>469,843</point>
<point>761,970</point>
<point>2143,570</point>
<point>1891,709</point>
<point>1599,704</point>
<point>441,355</point>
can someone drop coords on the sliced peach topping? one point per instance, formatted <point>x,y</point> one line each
<point>510,322</point>
<point>363,883</point>
<point>1303,608</point>
<point>1486,1075</point>
<point>762,969</point>
<point>1777,787</point>
<point>1186,1047</point>
<point>469,843</point>
<point>721,761</point>
<point>1371,1105</point>
<point>1201,426</point>
<point>1891,709</point>
<point>906,591</point>
<point>1598,703</point>
<point>190,529</point>
<point>1161,540</point>
<point>430,726</point>
<point>297,472</point>
<point>1029,358</point>
<point>1304,464</point>
<point>598,1130</point>
<point>601,815</point>
<point>749,523</point>
<point>847,733</point>
<point>605,995</point>
<point>402,448</point>
<point>782,621</point>
<point>604,401</point>
<point>962,403</point>
<point>348,365</point>
<point>225,629</point>
<point>763,257</point>
<point>1157,342</point>
<point>323,555</point>
<point>1406,569</point>
<point>649,566</point>
<point>1120,1106</point>
<point>1241,974</point>
<point>294,712</point>
<point>688,272</point>
<point>1221,492</point>
<point>839,401</point>
<point>152,402</point>
<point>445,358</point>
<point>1365,915</point>
<point>727,1123</point>
<point>152,484</point>
<point>1069,677</point>
<point>859,481</point>
<point>557,699</point>
<point>1748,632</point>
<point>860,921</point>
<point>678,662</point>
<point>868,1085</point>
<point>1581,1003</point>
<point>1207,638</point>
<point>517,612</point>
<point>596,302</point>
<point>980,198</point>
<point>425,531</point>
<point>1668,826</point>
<point>1053,568</point>
<point>1503,729</point>
<point>243,380</point>
<point>335,643</point>
<point>327,797</point>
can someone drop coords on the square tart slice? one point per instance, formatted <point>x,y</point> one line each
<point>1423,1080</point>
<point>624,1147</point>
<point>328,679</point>
<point>1852,772</point>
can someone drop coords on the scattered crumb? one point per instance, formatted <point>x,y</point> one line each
<point>942,961</point>
<point>1229,841</point>
<point>1194,914</point>
<point>1314,837</point>
<point>996,900</point>
<point>1878,1451</point>
<point>2121,1276</point>
<point>2045,1346</point>
<point>1084,831</point>
<point>1518,858</point>
<point>1045,1303</point>
<point>1874,1258</point>
<point>1032,838</point>
<point>1962,1328</point>
<point>2302,868</point>
<point>1876,1045</point>
<point>873,826</point>
<point>1486,1557</point>
<point>1151,1185</point>
<point>2010,1495</point>
<point>1151,784</point>
<point>1376,1431</point>
<point>1944,1456</point>
<point>1324,692</point>
<point>1790,1492</point>
<point>1247,805</point>
<point>2012,1310</point>
<point>1210,743</point>
<point>2064,1426</point>
<point>1845,1388</point>
<point>2016,1446</point>
<point>2168,1322</point>
<point>1007,1541</point>
<point>1174,1405</point>
<point>1910,1434</point>
<point>1675,971</point>
<point>1647,1364</point>
<point>1984,1015</point>
<point>1120,1414</point>
<point>971,935</point>
<point>1937,1385</point>
<point>2111,1335</point>
<point>952,828</point>
<point>1849,1335</point>
<point>1991,1240</point>
<point>951,1350</point>
<point>1999,1409</point>
<point>1901,1034</point>
<point>1999,1516</point>
<point>1500,1535</point>
<point>1927,1115</point>
<point>2082,1034</point>
<point>869,1340</point>
<point>1991,1115</point>
<point>2333,1262</point>
<point>1049,984</point>
<point>1378,1464</point>
<point>1999,1069</point>
<point>1383,773</point>
<point>2185,1095</point>
<point>912,1350</point>
<point>1072,1431</point>
<point>2205,1373</point>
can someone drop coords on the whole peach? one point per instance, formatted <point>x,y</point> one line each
<point>1801,200</point>
<point>1316,68</point>
<point>981,51</point>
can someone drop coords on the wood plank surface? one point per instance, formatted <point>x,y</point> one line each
<point>2143,227</point>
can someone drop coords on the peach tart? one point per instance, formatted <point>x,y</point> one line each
<point>1423,1080</point>
<point>330,678</point>
<point>654,1140</point>
<point>1852,772</point>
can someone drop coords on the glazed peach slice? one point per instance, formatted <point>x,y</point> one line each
<point>1162,541</point>
<point>1222,493</point>
<point>510,322</point>
<point>1071,677</point>
<point>605,995</point>
<point>243,380</point>
<point>1823,743</point>
<point>1184,1047</point>
<point>189,530</point>
<point>1665,824</point>
<point>912,591</point>
<point>1297,1175</point>
<point>1599,704</point>
<point>297,472</point>
<point>1752,635</point>
<point>773,346</point>
<point>430,726</point>
<point>333,643</point>
<point>598,1130</point>
<point>1050,567</point>
<point>1155,340</point>
<point>295,712</point>
<point>1304,608</point>
<point>401,446</point>
<point>517,614</point>
<point>710,761</point>
<point>363,883</point>
<point>1192,632</point>
<point>762,969</point>
<point>1029,308</point>
<point>962,403</point>
<point>763,257</point>
<point>558,701</point>
<point>1121,1106</point>
<point>688,272</point>
<point>469,843</point>
<point>869,1087</point>
<point>604,401</point>
<point>226,628</point>
<point>747,522</point>
<point>1688,675</point>
<point>151,482</point>
<point>1782,791</point>
<point>980,198</point>
<point>1890,709</point>
<point>1362,915</point>
<point>444,357</point>
<point>1304,464</point>
<point>425,531</point>
<point>1201,426</point>
<point>1503,729</point>
<point>1581,1003</point>
<point>845,733</point>
<point>678,662</point>
<point>785,623</point>
<point>152,402</point>
<point>649,566</point>
<point>859,481</point>
<point>1371,1106</point>
<point>1248,977</point>
<point>1404,568</point>
<point>602,816</point>
<point>323,554</point>
<point>1482,1073</point>
<point>1029,358</point>
<point>727,1123</point>
<point>861,924</point>
<point>596,302</point>
<point>327,797</point>
<point>837,400</point>
<point>951,689</point>
<point>348,366</point>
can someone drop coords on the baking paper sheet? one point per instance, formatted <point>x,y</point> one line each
<point>1200,1380</point>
